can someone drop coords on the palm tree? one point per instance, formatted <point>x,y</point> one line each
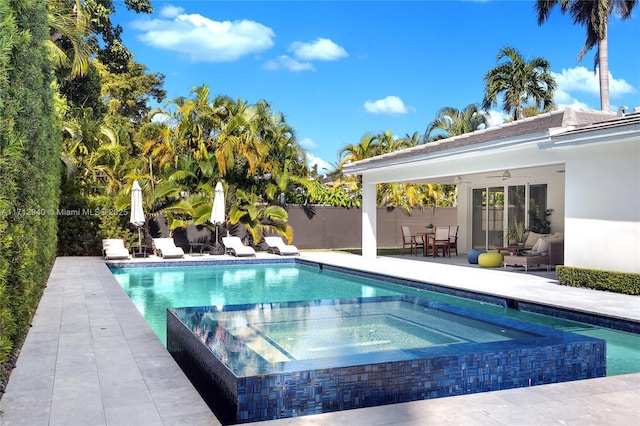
<point>366,148</point>
<point>454,122</point>
<point>412,140</point>
<point>387,142</point>
<point>259,218</point>
<point>74,25</point>
<point>520,81</point>
<point>594,15</point>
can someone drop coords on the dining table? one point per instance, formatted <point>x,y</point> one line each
<point>428,239</point>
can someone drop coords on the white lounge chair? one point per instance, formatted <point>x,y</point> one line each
<point>278,246</point>
<point>167,249</point>
<point>113,248</point>
<point>234,246</point>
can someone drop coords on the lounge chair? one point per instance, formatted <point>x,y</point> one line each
<point>234,246</point>
<point>277,246</point>
<point>167,249</point>
<point>113,249</point>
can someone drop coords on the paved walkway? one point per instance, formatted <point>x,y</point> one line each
<point>90,359</point>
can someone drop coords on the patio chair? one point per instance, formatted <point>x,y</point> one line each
<point>440,241</point>
<point>167,249</point>
<point>277,246</point>
<point>234,246</point>
<point>113,249</point>
<point>413,241</point>
<point>453,238</point>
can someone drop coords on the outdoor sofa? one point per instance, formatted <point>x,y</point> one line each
<point>551,254</point>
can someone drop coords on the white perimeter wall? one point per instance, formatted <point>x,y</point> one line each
<point>602,207</point>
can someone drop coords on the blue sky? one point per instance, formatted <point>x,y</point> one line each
<point>338,70</point>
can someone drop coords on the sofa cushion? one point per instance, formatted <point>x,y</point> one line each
<point>531,240</point>
<point>542,245</point>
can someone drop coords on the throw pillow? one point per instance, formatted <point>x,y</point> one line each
<point>532,238</point>
<point>544,244</point>
<point>541,246</point>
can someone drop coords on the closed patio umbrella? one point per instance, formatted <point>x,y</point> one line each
<point>137,213</point>
<point>217,212</point>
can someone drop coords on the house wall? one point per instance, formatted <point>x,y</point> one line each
<point>602,217</point>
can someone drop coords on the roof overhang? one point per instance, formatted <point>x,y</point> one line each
<point>558,129</point>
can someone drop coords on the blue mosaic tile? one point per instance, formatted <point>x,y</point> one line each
<point>529,355</point>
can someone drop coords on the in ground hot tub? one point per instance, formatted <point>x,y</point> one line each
<point>275,360</point>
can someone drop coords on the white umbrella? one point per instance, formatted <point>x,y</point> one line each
<point>137,213</point>
<point>217,213</point>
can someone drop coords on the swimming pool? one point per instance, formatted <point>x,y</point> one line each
<point>154,289</point>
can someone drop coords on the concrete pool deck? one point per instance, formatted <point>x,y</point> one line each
<point>91,359</point>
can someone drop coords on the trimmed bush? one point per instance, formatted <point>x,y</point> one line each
<point>30,142</point>
<point>617,282</point>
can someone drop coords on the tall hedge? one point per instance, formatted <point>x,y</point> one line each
<point>30,141</point>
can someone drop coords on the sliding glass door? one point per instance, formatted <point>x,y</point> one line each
<point>488,217</point>
<point>498,209</point>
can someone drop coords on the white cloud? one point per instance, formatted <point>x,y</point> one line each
<point>579,79</point>
<point>171,11</point>
<point>391,105</point>
<point>496,117</point>
<point>322,49</point>
<point>203,39</point>
<point>323,166</point>
<point>564,100</point>
<point>288,63</point>
<point>307,143</point>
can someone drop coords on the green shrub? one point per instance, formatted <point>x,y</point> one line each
<point>617,282</point>
<point>29,166</point>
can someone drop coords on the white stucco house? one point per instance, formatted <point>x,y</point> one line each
<point>584,165</point>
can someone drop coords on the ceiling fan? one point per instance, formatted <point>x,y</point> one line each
<point>458,179</point>
<point>505,175</point>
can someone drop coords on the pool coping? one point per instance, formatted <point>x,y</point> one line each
<point>45,389</point>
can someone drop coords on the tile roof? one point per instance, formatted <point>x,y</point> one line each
<point>567,118</point>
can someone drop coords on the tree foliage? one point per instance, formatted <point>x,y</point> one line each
<point>450,122</point>
<point>594,16</point>
<point>520,81</point>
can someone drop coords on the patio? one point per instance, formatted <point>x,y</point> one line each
<point>91,359</point>
<point>537,164</point>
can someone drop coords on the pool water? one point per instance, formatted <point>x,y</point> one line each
<point>324,331</point>
<point>154,289</point>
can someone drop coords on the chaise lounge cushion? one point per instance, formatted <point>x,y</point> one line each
<point>278,246</point>
<point>114,249</point>
<point>166,248</point>
<point>234,246</point>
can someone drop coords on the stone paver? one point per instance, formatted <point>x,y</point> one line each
<point>91,359</point>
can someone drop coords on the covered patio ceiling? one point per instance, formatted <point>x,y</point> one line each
<point>490,176</point>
